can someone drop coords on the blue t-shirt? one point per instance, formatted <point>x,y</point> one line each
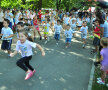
<point>66,20</point>
<point>6,32</point>
<point>69,33</point>
<point>84,30</point>
<point>58,29</point>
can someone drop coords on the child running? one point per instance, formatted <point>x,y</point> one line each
<point>57,29</point>
<point>104,60</point>
<point>46,31</point>
<point>36,27</point>
<point>68,33</point>
<point>7,35</point>
<point>84,31</point>
<point>25,47</point>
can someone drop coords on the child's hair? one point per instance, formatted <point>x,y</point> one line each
<point>21,24</point>
<point>58,21</point>
<point>27,34</point>
<point>7,21</point>
<point>104,41</point>
<point>68,25</point>
<point>84,21</point>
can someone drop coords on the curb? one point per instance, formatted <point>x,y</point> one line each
<point>92,75</point>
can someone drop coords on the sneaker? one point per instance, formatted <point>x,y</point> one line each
<point>40,38</point>
<point>28,75</point>
<point>66,46</point>
<point>99,78</point>
<point>100,82</point>
<point>83,45</point>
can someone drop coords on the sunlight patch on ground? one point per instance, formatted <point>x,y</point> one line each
<point>3,88</point>
<point>75,53</point>
<point>62,80</point>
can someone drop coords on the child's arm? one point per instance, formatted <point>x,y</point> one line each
<point>10,36</point>
<point>101,58</point>
<point>41,49</point>
<point>13,54</point>
<point>1,34</point>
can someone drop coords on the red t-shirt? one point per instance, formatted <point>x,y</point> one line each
<point>97,30</point>
<point>40,14</point>
<point>35,22</point>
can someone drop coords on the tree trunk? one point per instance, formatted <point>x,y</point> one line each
<point>39,4</point>
<point>58,2</point>
<point>24,1</point>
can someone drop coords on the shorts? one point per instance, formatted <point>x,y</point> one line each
<point>96,41</point>
<point>37,27</point>
<point>79,26</point>
<point>46,33</point>
<point>83,36</point>
<point>68,40</point>
<point>57,36</point>
<point>6,44</point>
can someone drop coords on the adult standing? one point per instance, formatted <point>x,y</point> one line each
<point>1,19</point>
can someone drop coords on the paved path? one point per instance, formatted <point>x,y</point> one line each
<point>60,69</point>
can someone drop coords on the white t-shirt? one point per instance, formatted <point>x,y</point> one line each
<point>46,27</point>
<point>58,29</point>
<point>69,33</point>
<point>84,29</point>
<point>6,32</point>
<point>1,16</point>
<point>25,48</point>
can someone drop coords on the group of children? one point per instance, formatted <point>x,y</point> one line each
<point>25,42</point>
<point>70,25</point>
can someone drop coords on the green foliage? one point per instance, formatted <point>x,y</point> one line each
<point>34,4</point>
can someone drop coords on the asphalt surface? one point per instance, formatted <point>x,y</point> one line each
<point>60,69</point>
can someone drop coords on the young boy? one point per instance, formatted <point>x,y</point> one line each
<point>57,29</point>
<point>68,33</point>
<point>96,32</point>
<point>7,35</point>
<point>84,31</point>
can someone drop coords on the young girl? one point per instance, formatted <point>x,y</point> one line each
<point>46,30</point>
<point>84,31</point>
<point>36,27</point>
<point>104,60</point>
<point>25,47</point>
